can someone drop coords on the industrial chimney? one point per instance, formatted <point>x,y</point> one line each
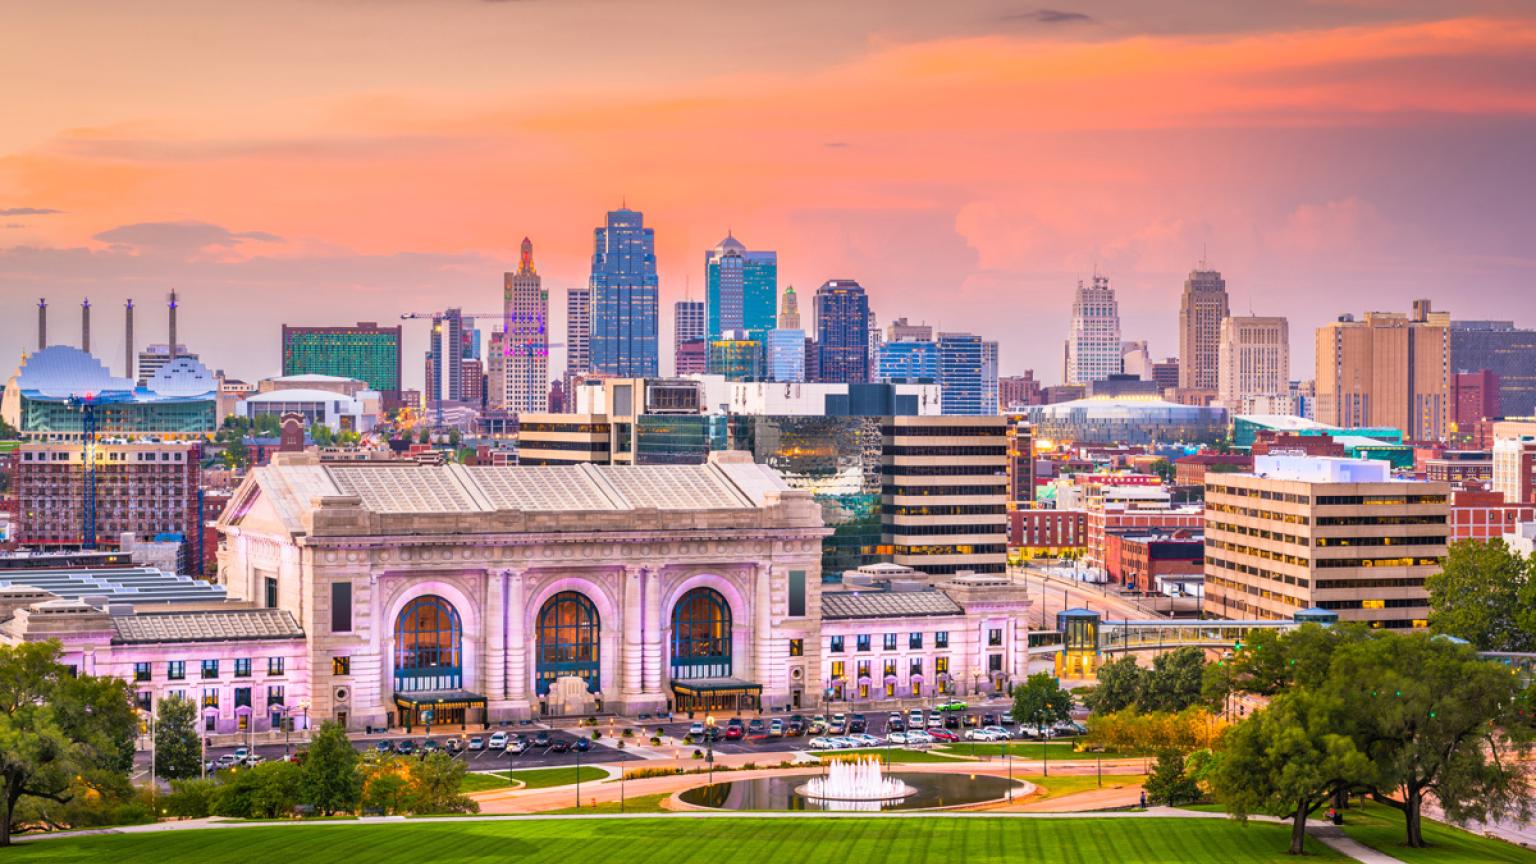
<point>171,350</point>
<point>128,338</point>
<point>42,323</point>
<point>85,325</point>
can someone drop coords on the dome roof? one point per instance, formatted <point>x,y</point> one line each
<point>62,371</point>
<point>183,376</point>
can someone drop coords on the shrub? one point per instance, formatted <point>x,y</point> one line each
<point>191,798</point>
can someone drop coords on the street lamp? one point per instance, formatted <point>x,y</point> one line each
<point>709,745</point>
<point>153,783</point>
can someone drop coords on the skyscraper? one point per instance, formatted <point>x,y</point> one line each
<point>910,361</point>
<point>625,297</point>
<point>525,344</point>
<point>578,331</point>
<point>742,288</point>
<point>842,332</point>
<point>1254,360</point>
<point>1093,346</point>
<point>789,310</point>
<point>785,350</point>
<point>960,373</point>
<point>1389,369</point>
<point>989,401</point>
<point>688,324</point>
<point>367,353</point>
<point>1201,312</point>
<point>445,357</point>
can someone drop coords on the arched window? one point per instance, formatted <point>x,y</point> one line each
<point>701,635</point>
<point>429,647</point>
<point>568,642</point>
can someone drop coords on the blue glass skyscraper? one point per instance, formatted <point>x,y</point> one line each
<point>909,361</point>
<point>842,332</point>
<point>742,288</point>
<point>960,374</point>
<point>625,297</point>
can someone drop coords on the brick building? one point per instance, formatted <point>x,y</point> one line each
<point>1479,515</point>
<point>1048,533</point>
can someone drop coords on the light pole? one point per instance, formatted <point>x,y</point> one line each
<point>578,778</point>
<point>709,745</point>
<point>153,784</point>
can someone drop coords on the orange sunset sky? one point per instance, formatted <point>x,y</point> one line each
<point>967,161</point>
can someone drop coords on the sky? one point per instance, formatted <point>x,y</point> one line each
<point>333,161</point>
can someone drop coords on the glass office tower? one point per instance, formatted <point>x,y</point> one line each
<point>742,288</point>
<point>625,297</point>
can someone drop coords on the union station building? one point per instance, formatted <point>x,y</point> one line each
<point>401,595</point>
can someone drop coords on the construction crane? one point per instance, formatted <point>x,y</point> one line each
<point>525,349</point>
<point>86,405</point>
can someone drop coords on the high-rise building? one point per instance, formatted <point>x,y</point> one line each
<point>688,324</point>
<point>1201,311</point>
<point>1295,535</point>
<point>900,331</point>
<point>842,332</point>
<point>876,339</point>
<point>945,503</point>
<point>909,361</point>
<point>785,354</point>
<point>1019,390</point>
<point>1514,469</point>
<point>525,342</point>
<point>812,359</point>
<point>789,310</point>
<point>1475,396</point>
<point>1166,373</point>
<point>1507,351</point>
<point>693,357</point>
<point>1021,461</point>
<point>960,373</point>
<point>1093,347</point>
<point>578,331</point>
<point>625,297</point>
<point>366,352</point>
<point>989,359</point>
<point>1254,361</point>
<point>445,357</point>
<point>742,288</point>
<point>1389,369</point>
<point>737,356</point>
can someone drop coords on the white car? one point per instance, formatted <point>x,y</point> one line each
<point>477,743</point>
<point>696,729</point>
<point>919,738</point>
<point>998,732</point>
<point>897,737</point>
<point>228,760</point>
<point>980,735</point>
<point>498,740</point>
<point>518,746</point>
<point>865,739</point>
<point>255,759</point>
<point>935,722</point>
<point>915,717</point>
<point>821,743</point>
<point>242,753</point>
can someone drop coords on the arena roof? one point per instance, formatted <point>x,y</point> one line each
<point>117,585</point>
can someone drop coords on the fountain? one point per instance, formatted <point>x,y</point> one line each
<point>856,784</point>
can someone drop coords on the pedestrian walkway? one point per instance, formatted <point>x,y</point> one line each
<point>1334,838</point>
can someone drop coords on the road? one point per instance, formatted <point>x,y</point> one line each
<point>1052,595</point>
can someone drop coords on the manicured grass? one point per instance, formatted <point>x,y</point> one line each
<point>1057,786</point>
<point>1053,751</point>
<point>483,782</point>
<point>640,804</point>
<point>543,778</point>
<point>892,754</point>
<point>719,841</point>
<point>1381,828</point>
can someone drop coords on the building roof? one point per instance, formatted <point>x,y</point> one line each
<point>299,395</point>
<point>887,604</point>
<point>1282,422</point>
<point>117,585</point>
<point>220,626</point>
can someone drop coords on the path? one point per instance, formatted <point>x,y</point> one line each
<point>1334,838</point>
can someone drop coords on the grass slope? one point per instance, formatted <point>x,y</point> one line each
<point>544,778</point>
<point>718,841</point>
<point>1056,786</point>
<point>1381,828</point>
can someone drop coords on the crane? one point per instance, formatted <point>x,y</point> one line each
<point>525,349</point>
<point>86,405</point>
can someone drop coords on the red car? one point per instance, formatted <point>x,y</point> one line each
<point>942,735</point>
<point>734,730</point>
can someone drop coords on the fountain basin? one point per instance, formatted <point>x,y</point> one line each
<point>930,791</point>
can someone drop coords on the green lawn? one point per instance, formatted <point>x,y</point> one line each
<point>1056,786</point>
<point>639,804</point>
<point>543,778</point>
<point>1052,750</point>
<point>719,841</point>
<point>1381,828</point>
<point>483,782</point>
<point>892,754</point>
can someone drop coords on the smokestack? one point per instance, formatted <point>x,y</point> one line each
<point>128,338</point>
<point>172,349</point>
<point>85,325</point>
<point>42,323</point>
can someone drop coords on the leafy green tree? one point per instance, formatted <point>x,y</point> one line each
<point>1288,759</point>
<point>454,437</point>
<point>1041,702</point>
<point>1120,685</point>
<point>178,752</point>
<point>8,432</point>
<point>57,731</point>
<point>1175,681</point>
<point>1486,594</point>
<point>424,436</point>
<point>1435,718</point>
<point>235,454</point>
<point>331,783</point>
<point>191,798</point>
<point>435,786</point>
<point>267,426</point>
<point>321,435</point>
<point>1169,782</point>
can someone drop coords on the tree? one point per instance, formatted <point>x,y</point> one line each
<point>1168,781</point>
<point>1041,702</point>
<point>1288,759</point>
<point>178,752</point>
<point>435,786</point>
<point>1486,594</point>
<point>235,454</point>
<point>1434,718</point>
<point>330,780</point>
<point>1130,731</point>
<point>267,426</point>
<point>57,732</point>
<point>1120,684</point>
<point>321,435</point>
<point>8,432</point>
<point>1174,683</point>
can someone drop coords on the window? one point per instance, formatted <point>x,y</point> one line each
<point>274,665</point>
<point>862,642</point>
<point>835,645</point>
<point>915,666</point>
<point>271,592</point>
<point>242,667</point>
<point>889,642</point>
<point>797,647</point>
<point>863,669</point>
<point>141,671</point>
<point>796,593</point>
<point>889,669</point>
<point>208,722</point>
<point>143,700</point>
<point>274,695</point>
<point>176,670</point>
<point>242,697</point>
<point>341,607</point>
<point>994,662</point>
<point>210,697</point>
<point>839,670</point>
<point>915,641</point>
<point>995,638</point>
<point>941,666</point>
<point>341,665</point>
<point>210,669</point>
<point>941,639</point>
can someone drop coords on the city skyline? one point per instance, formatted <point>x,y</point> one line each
<point>254,203</point>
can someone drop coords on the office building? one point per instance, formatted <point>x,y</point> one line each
<point>624,302</point>
<point>1479,515</point>
<point>1389,369</point>
<point>1093,345</point>
<point>1509,352</point>
<point>578,331</point>
<point>1166,374</point>
<point>693,356</point>
<point>1475,397</point>
<point>990,397</point>
<point>901,331</point>
<point>148,489</point>
<point>908,361</point>
<point>688,324</point>
<point>737,356</point>
<point>785,354</point>
<point>842,332</point>
<point>1337,534</point>
<point>945,495</point>
<point>1254,362</point>
<point>960,374</point>
<point>742,288</point>
<point>1021,461</point>
<point>1019,390</point>
<point>789,310</point>
<point>445,358</point>
<point>525,338</point>
<point>1514,469</point>
<point>1201,310</point>
<point>365,352</point>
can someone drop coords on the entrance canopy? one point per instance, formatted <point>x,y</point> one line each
<point>716,694</point>
<point>437,707</point>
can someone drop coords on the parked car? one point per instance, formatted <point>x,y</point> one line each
<point>242,753</point>
<point>943,735</point>
<point>864,739</point>
<point>818,724</point>
<point>560,745</point>
<point>477,743</point>
<point>776,729</point>
<point>857,723</point>
<point>228,760</point>
<point>1001,733</point>
<point>915,718</point>
<point>979,735</point>
<point>499,741</point>
<point>756,728</point>
<point>796,725</point>
<point>541,739</point>
<point>919,738</point>
<point>583,745</point>
<point>453,746</point>
<point>895,723</point>
<point>821,743</point>
<point>385,746</point>
<point>935,721</point>
<point>429,746</point>
<point>989,719</point>
<point>897,737</point>
<point>255,759</point>
<point>406,747</point>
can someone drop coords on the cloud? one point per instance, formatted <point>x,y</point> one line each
<point>29,211</point>
<point>180,238</point>
<point>1051,16</point>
